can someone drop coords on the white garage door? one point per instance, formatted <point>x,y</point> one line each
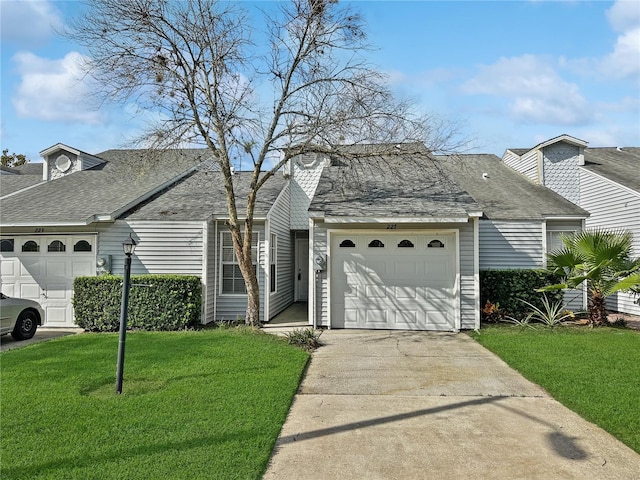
<point>394,281</point>
<point>43,268</point>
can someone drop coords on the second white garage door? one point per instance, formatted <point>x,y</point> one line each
<point>394,281</point>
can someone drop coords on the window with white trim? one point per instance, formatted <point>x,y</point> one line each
<point>273,265</point>
<point>231,281</point>
<point>554,242</point>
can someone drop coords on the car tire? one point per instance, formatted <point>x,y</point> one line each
<point>25,326</point>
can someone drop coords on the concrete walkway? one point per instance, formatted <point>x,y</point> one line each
<point>419,405</point>
<point>42,334</point>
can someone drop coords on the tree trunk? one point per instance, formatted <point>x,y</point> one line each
<point>597,310</point>
<point>253,302</point>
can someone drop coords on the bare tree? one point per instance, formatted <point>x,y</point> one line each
<point>261,92</point>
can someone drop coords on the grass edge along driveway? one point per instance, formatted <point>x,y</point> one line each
<point>205,404</point>
<point>593,371</point>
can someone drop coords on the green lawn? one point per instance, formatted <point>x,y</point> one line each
<point>206,404</point>
<point>594,372</point>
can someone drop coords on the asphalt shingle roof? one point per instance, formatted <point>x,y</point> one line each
<point>621,166</point>
<point>408,186</point>
<point>505,194</point>
<point>202,194</point>
<point>25,176</point>
<point>125,177</point>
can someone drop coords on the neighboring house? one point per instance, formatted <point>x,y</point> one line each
<point>387,246</point>
<point>603,181</point>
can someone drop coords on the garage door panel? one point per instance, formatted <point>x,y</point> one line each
<point>30,291</point>
<point>82,268</point>
<point>57,291</point>
<point>8,267</point>
<point>379,289</point>
<point>56,315</point>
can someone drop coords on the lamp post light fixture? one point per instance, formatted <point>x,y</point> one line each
<point>128,246</point>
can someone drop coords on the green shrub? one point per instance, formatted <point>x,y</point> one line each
<point>305,338</point>
<point>503,292</point>
<point>156,302</point>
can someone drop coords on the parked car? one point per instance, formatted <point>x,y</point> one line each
<point>19,317</point>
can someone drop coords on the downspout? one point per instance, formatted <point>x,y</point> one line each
<point>215,271</point>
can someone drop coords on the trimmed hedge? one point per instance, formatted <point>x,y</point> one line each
<point>506,288</point>
<point>156,302</point>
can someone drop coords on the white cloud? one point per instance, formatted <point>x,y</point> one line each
<point>624,15</point>
<point>53,90</point>
<point>29,22</point>
<point>535,92</point>
<point>624,60</point>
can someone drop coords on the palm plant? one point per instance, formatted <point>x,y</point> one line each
<point>602,259</point>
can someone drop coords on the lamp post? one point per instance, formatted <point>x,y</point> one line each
<point>128,246</point>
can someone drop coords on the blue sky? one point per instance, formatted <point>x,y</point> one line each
<point>513,73</point>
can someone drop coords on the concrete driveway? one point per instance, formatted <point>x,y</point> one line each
<point>42,333</point>
<point>420,405</point>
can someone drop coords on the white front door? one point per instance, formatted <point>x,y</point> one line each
<point>302,270</point>
<point>43,268</point>
<point>394,281</point>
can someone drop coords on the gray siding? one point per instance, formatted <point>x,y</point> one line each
<point>510,244</point>
<point>163,247</point>
<point>613,207</point>
<point>560,170</point>
<point>468,301</point>
<point>526,164</point>
<point>278,219</point>
<point>230,306</point>
<point>212,281</point>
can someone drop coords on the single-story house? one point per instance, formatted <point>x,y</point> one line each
<point>604,181</point>
<point>396,243</point>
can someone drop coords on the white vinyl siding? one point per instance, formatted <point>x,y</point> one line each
<point>612,206</point>
<point>278,219</point>
<point>163,248</point>
<point>510,244</point>
<point>527,164</point>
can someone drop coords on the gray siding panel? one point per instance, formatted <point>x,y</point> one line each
<point>163,247</point>
<point>573,299</point>
<point>510,244</point>
<point>612,207</point>
<point>279,225</point>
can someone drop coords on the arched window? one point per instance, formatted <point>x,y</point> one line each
<point>347,243</point>
<point>56,246</point>
<point>376,244</point>
<point>405,244</point>
<point>435,244</point>
<point>30,246</point>
<point>82,246</point>
<point>6,245</point>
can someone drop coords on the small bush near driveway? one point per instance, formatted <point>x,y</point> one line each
<point>594,372</point>
<point>197,404</point>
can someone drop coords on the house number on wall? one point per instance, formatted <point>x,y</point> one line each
<point>39,230</point>
<point>391,226</point>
